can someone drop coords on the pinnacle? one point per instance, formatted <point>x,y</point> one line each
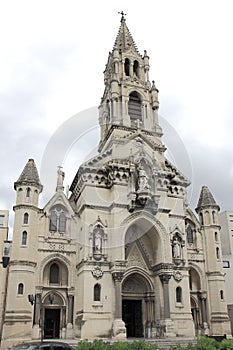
<point>206,198</point>
<point>124,40</point>
<point>29,175</point>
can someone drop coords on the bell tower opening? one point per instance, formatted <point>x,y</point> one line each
<point>127,65</point>
<point>135,107</point>
<point>136,68</point>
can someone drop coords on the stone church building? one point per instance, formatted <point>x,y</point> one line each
<point>123,255</point>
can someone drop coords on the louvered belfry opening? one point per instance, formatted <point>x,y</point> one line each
<point>134,106</point>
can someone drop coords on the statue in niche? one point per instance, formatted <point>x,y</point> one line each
<point>143,183</point>
<point>98,236</point>
<point>176,248</point>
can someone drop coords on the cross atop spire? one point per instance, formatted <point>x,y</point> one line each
<point>122,15</point>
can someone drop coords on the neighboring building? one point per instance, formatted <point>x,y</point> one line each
<point>4,218</point>
<point>226,223</point>
<point>124,256</point>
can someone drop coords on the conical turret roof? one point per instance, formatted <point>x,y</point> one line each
<point>206,199</point>
<point>124,40</point>
<point>29,175</point>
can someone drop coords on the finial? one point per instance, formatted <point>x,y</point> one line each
<point>154,87</point>
<point>122,15</point>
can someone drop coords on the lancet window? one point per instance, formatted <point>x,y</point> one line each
<point>58,220</point>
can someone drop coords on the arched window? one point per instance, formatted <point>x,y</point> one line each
<point>97,291</point>
<point>62,223</point>
<point>216,236</point>
<point>221,295</point>
<point>201,219</point>
<point>178,295</point>
<point>25,218</point>
<point>189,235</point>
<point>134,107</point>
<point>136,68</point>
<point>57,220</point>
<point>127,65</point>
<point>20,288</point>
<point>217,253</point>
<point>53,221</point>
<point>213,217</point>
<point>207,217</point>
<point>54,273</point>
<point>28,190</point>
<point>24,238</point>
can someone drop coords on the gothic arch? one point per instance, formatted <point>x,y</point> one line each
<point>142,274</point>
<point>58,299</point>
<point>56,257</point>
<point>200,274</point>
<point>62,275</point>
<point>135,106</point>
<point>148,223</point>
<point>142,95</point>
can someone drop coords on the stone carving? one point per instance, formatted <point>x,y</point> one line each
<point>117,276</point>
<point>135,259</point>
<point>178,276</point>
<point>97,272</point>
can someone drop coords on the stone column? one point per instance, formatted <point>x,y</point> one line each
<point>164,278</point>
<point>167,326</point>
<point>117,276</point>
<point>70,308</point>
<point>37,308</point>
<point>119,330</point>
<point>203,309</point>
<point>131,70</point>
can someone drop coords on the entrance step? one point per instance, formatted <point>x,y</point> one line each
<point>163,343</point>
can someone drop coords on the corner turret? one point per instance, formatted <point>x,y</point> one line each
<point>207,208</point>
<point>28,185</point>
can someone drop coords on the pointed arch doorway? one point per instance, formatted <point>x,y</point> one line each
<point>137,306</point>
<point>54,316</point>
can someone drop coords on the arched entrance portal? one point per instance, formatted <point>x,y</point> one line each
<point>137,306</point>
<point>54,316</point>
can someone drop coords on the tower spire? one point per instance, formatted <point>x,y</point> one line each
<point>124,40</point>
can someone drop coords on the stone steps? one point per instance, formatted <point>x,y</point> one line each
<point>163,343</point>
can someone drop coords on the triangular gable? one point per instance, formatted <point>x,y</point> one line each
<point>59,198</point>
<point>135,258</point>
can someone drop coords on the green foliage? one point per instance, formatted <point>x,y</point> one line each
<point>226,344</point>
<point>203,343</point>
<point>120,345</point>
<point>177,347</point>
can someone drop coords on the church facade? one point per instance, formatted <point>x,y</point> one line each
<point>124,255</point>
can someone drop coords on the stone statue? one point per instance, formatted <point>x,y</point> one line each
<point>143,184</point>
<point>176,249</point>
<point>60,178</point>
<point>98,241</point>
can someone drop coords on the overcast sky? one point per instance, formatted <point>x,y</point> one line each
<point>53,54</point>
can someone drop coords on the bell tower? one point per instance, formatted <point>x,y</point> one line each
<point>129,101</point>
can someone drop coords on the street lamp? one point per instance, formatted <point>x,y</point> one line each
<point>33,300</point>
<point>6,254</point>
